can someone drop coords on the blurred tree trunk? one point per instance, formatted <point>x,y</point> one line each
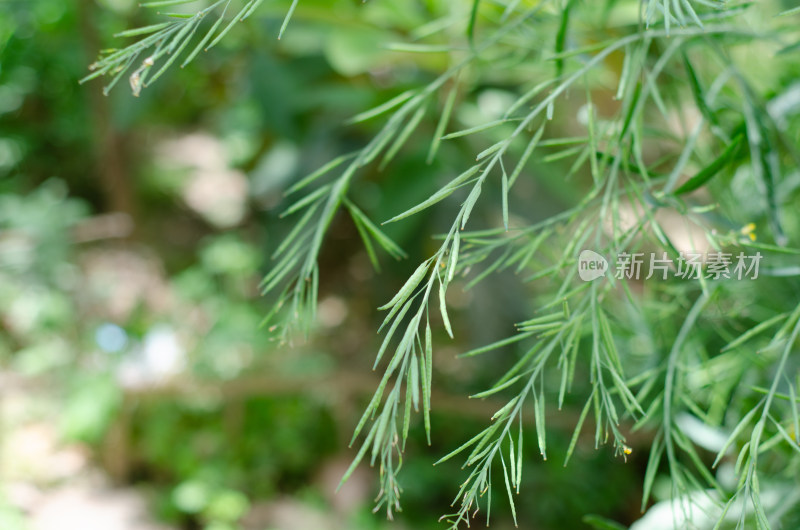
<point>110,164</point>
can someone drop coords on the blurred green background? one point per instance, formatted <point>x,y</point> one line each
<point>137,390</point>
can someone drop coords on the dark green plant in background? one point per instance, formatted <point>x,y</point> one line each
<point>552,127</point>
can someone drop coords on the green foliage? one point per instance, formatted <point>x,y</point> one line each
<point>168,40</point>
<point>644,116</point>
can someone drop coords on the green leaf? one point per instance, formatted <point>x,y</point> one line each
<point>538,405</point>
<point>391,331</point>
<point>632,106</point>
<point>744,422</point>
<point>711,170</point>
<point>789,12</point>
<point>497,388</point>
<point>472,198</point>
<point>380,237</point>
<point>473,17</point>
<point>414,381</point>
<point>440,195</point>
<point>307,200</point>
<point>496,345</point>
<point>505,409</point>
<point>525,156</point>
<point>508,489</point>
<point>382,108</point>
<point>443,310</point>
<point>373,258</point>
<point>333,164</point>
<point>697,90</point>
<point>519,455</point>
<point>755,330</point>
<point>463,446</point>
<point>770,248</point>
<point>504,198</point>
<point>452,261</point>
<point>561,37</point>
<point>578,426</point>
<point>145,29</point>
<point>408,288</point>
<point>490,150</point>
<point>208,36</point>
<point>477,128</point>
<point>235,20</point>
<point>653,461</point>
<point>403,137</point>
<point>287,18</point>
<point>427,376</point>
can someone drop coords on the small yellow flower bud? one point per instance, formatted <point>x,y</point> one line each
<point>749,231</point>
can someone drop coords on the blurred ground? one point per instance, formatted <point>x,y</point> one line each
<point>49,485</point>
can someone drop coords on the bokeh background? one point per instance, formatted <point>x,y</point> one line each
<point>137,390</point>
